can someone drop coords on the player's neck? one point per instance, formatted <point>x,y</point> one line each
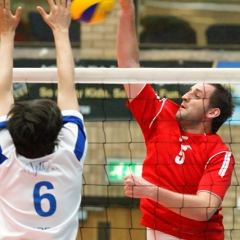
<point>197,128</point>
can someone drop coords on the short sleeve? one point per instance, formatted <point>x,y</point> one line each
<point>3,122</point>
<point>218,174</point>
<point>6,143</point>
<point>73,133</point>
<point>152,112</point>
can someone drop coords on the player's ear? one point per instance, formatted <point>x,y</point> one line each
<point>213,112</point>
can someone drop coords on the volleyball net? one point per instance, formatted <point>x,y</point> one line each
<point>116,144</point>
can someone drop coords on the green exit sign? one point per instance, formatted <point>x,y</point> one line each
<point>117,169</point>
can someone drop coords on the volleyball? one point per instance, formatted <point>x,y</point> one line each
<point>91,11</point>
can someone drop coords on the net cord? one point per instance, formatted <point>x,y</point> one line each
<point>132,75</point>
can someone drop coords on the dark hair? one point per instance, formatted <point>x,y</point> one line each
<point>221,98</point>
<point>34,127</point>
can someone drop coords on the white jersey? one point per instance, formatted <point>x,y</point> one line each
<point>40,198</point>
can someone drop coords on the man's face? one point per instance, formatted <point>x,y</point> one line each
<point>195,104</point>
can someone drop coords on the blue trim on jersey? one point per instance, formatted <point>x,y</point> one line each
<point>3,124</point>
<point>81,138</point>
<point>2,157</point>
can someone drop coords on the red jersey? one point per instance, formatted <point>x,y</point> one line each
<point>180,162</point>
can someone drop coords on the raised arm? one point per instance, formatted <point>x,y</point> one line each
<point>8,24</point>
<point>127,44</point>
<point>59,20</point>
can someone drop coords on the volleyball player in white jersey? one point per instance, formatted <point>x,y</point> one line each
<point>42,144</point>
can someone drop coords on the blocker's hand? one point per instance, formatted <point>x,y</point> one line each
<point>137,187</point>
<point>59,17</point>
<point>8,21</point>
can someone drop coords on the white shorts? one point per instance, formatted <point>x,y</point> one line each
<point>157,235</point>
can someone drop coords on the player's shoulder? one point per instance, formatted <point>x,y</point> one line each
<point>71,113</point>
<point>3,122</point>
<point>72,116</point>
<point>216,145</point>
<point>215,139</point>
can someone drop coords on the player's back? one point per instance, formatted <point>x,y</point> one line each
<point>40,198</point>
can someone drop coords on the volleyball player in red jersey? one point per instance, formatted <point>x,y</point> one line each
<point>188,168</point>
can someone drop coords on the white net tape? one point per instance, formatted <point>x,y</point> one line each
<point>132,75</point>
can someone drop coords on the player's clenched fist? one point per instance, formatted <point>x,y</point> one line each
<point>137,187</point>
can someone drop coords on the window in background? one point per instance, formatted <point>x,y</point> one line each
<point>184,22</point>
<point>34,31</point>
<point>176,23</point>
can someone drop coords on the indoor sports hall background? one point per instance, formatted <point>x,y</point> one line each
<point>173,34</point>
